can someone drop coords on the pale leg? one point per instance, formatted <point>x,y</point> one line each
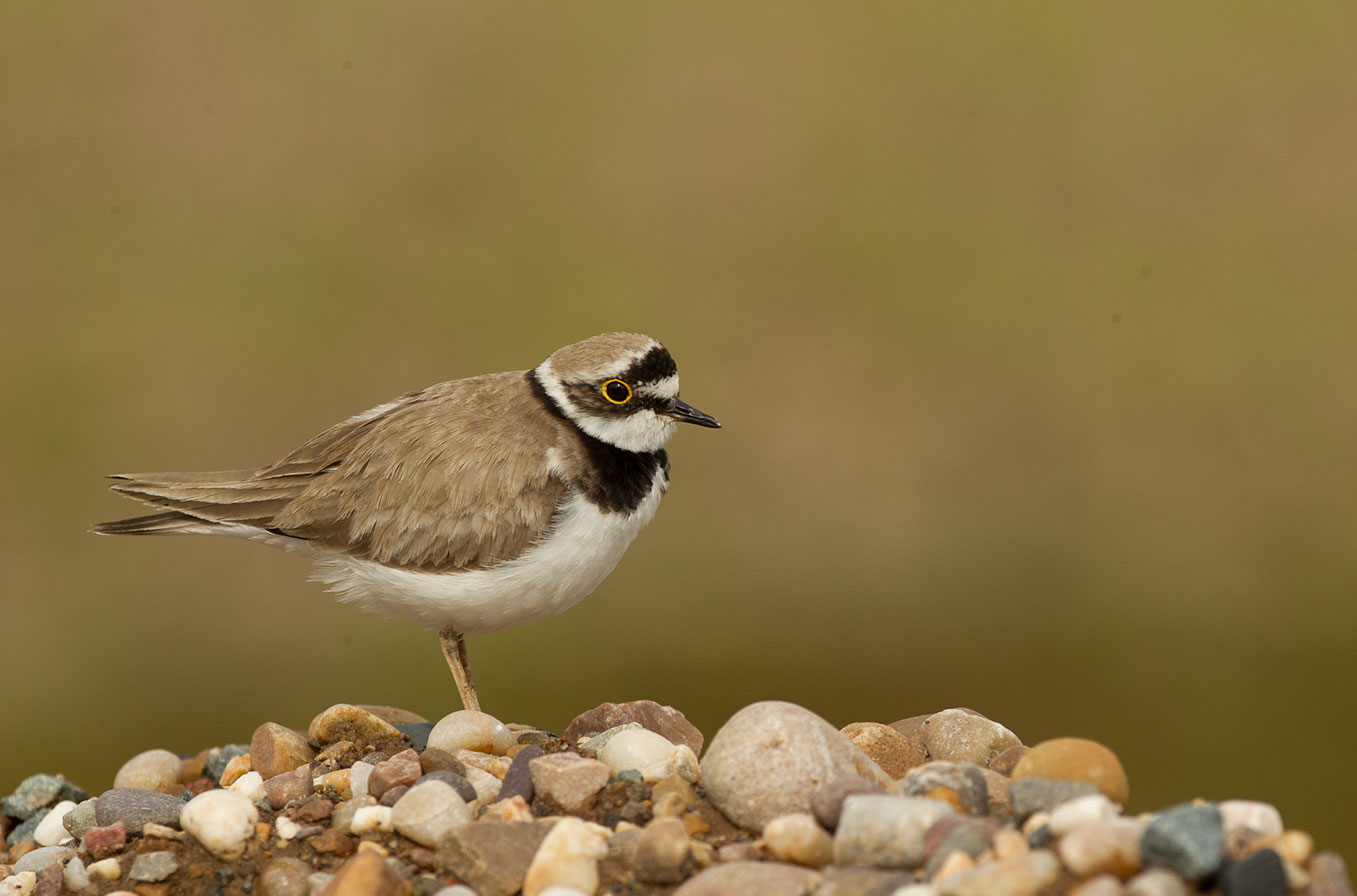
<point>454,651</point>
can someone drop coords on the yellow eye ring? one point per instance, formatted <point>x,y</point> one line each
<point>616,391</point>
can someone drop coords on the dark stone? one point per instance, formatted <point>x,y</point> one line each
<point>418,732</point>
<point>39,791</point>
<point>453,780</point>
<point>25,830</point>
<point>492,857</point>
<point>1033,795</point>
<point>1261,874</point>
<point>1188,840</point>
<point>134,808</point>
<point>390,798</point>
<point>826,800</point>
<point>952,833</point>
<point>663,720</point>
<point>217,757</point>
<point>434,760</point>
<point>1041,837</point>
<point>518,779</point>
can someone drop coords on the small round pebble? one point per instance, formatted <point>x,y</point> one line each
<point>568,857</point>
<point>283,877</point>
<point>52,829</point>
<point>38,859</point>
<point>956,735</point>
<point>276,749</point>
<point>153,867</point>
<point>1081,811</point>
<point>826,801</point>
<point>371,818</point>
<point>429,812</point>
<point>467,729</point>
<point>1076,759</point>
<point>653,755</point>
<point>1187,840</point>
<point>151,770</point>
<point>135,807</point>
<point>250,785</point>
<point>885,831</point>
<point>221,820</point>
<point>798,838</point>
<point>661,851</point>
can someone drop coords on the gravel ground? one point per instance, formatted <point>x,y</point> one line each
<point>377,800</point>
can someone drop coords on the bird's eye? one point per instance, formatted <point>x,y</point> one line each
<point>617,391</point>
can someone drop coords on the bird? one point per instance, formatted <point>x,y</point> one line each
<point>473,506</point>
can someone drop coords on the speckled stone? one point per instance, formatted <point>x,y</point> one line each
<point>38,791</point>
<point>153,867</point>
<point>1024,875</point>
<point>959,784</point>
<point>103,842</point>
<point>1038,795</point>
<point>888,748</point>
<point>769,757</point>
<point>218,757</point>
<point>1329,875</point>
<point>492,857</point>
<point>1261,874</point>
<point>663,720</point>
<point>344,721</point>
<point>568,781</point>
<point>1187,840</point>
<point>276,750</point>
<point>80,819</point>
<point>763,878</point>
<point>136,807</point>
<point>957,735</point>
<point>151,770</point>
<point>1076,759</point>
<point>826,801</point>
<point>885,831</point>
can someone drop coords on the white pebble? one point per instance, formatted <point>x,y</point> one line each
<point>1251,815</point>
<point>653,755</point>
<point>1081,811</point>
<point>916,890</point>
<point>467,729</point>
<point>108,869</point>
<point>568,857</point>
<point>371,818</point>
<point>428,812</point>
<point>152,770</point>
<point>251,785</point>
<point>51,831</point>
<point>221,820</point>
<point>75,875</point>
<point>359,773</point>
<point>485,784</point>
<point>455,890</point>
<point>164,832</point>
<point>20,884</point>
<point>287,828</point>
<point>563,891</point>
<point>798,838</point>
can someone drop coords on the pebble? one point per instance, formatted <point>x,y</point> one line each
<point>768,758</point>
<point>221,820</point>
<point>80,819</point>
<point>568,781</point>
<point>136,807</point>
<point>1006,761</point>
<point>595,742</point>
<point>1188,840</point>
<point>653,755</point>
<point>1250,818</point>
<point>661,852</point>
<point>493,857</point>
<point>366,874</point>
<point>467,729</point>
<point>518,778</point>
<point>962,785</point>
<point>51,830</point>
<point>455,890</point>
<point>1111,846</point>
<point>1038,795</point>
<point>888,748</point>
<point>106,869</point>
<point>36,792</point>
<point>20,883</point>
<point>251,786</point>
<point>294,785</point>
<point>763,878</point>
<point>153,867</point>
<point>151,770</point>
<point>235,768</point>
<point>663,720</point>
<point>1019,876</point>
<point>1156,882</point>
<point>75,875</point>
<point>1076,759</point>
<point>485,784</point>
<point>568,857</point>
<point>957,735</point>
<point>37,860</point>
<point>1261,874</point>
<point>403,769</point>
<point>1102,885</point>
<point>371,818</point>
<point>1081,811</point>
<point>276,749</point>
<point>826,800</point>
<point>885,831</point>
<point>954,834</point>
<point>799,839</point>
<point>343,721</point>
<point>217,758</point>
<point>107,841</point>
<point>360,774</point>
<point>283,877</point>
<point>457,782</point>
<point>1329,875</point>
<point>429,812</point>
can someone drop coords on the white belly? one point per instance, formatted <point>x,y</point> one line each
<point>551,577</point>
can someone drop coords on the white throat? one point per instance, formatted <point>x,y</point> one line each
<point>642,431</point>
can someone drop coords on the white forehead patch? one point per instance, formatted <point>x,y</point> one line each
<point>620,365</point>
<point>666,389</point>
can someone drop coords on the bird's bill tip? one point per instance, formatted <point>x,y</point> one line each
<point>686,413</point>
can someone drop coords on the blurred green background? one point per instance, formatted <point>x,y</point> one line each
<point>1031,328</point>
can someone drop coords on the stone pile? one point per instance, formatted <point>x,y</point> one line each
<point>377,800</point>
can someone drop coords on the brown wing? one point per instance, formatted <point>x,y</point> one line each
<point>451,477</point>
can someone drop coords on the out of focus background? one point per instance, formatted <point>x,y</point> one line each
<point>1031,328</point>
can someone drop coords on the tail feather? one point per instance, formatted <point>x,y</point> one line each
<point>170,523</point>
<point>200,502</point>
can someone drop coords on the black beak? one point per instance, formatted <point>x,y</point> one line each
<point>686,413</point>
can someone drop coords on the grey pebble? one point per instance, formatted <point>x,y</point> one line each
<point>454,780</point>
<point>972,836</point>
<point>1032,795</point>
<point>1188,840</point>
<point>885,831</point>
<point>36,792</point>
<point>38,859</point>
<point>217,757</point>
<point>80,819</point>
<point>153,867</point>
<point>418,732</point>
<point>826,800</point>
<point>518,779</point>
<point>1261,874</point>
<point>25,830</point>
<point>134,808</point>
<point>963,778</point>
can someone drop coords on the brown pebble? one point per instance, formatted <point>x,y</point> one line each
<point>283,877</point>
<point>1005,761</point>
<point>422,858</point>
<point>663,720</point>
<point>275,749</point>
<point>313,811</point>
<point>21,849</point>
<point>193,766</point>
<point>199,785</point>
<point>1329,875</point>
<point>51,882</point>
<point>662,852</point>
<point>340,754</point>
<point>1076,759</point>
<point>366,874</point>
<point>346,722</point>
<point>294,785</point>
<point>106,841</point>
<point>436,760</point>
<point>893,751</point>
<point>393,714</point>
<point>403,768</point>
<point>332,842</point>
<point>826,800</point>
<point>393,795</point>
